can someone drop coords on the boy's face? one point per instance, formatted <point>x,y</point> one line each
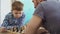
<point>17,14</point>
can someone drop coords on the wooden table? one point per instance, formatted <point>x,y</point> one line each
<point>9,32</point>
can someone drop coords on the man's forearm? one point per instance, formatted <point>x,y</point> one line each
<point>33,25</point>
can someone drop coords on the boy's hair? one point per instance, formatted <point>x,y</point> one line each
<point>17,5</point>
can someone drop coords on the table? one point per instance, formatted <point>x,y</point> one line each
<point>9,32</point>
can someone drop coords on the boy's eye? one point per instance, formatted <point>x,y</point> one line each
<point>17,13</point>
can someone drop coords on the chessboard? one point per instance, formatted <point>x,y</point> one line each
<point>13,32</point>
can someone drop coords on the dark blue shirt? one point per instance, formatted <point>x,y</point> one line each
<point>10,21</point>
<point>49,11</point>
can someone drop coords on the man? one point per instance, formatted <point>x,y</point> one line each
<point>14,19</point>
<point>46,14</point>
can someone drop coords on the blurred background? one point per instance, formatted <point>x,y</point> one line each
<point>6,8</point>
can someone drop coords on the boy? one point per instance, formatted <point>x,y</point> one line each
<point>15,17</point>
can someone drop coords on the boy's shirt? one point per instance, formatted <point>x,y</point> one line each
<point>10,21</point>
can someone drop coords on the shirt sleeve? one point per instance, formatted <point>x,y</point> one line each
<point>39,11</point>
<point>5,22</point>
<point>22,20</point>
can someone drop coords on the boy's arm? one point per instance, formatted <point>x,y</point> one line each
<point>22,20</point>
<point>5,22</point>
<point>4,25</point>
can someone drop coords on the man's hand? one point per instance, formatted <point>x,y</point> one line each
<point>42,31</point>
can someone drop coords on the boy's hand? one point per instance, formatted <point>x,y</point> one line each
<point>3,29</point>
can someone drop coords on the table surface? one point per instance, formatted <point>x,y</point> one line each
<point>9,32</point>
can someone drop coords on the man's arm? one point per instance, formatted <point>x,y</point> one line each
<point>36,20</point>
<point>33,25</point>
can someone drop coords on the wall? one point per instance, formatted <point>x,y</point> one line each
<point>5,8</point>
<point>28,9</point>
